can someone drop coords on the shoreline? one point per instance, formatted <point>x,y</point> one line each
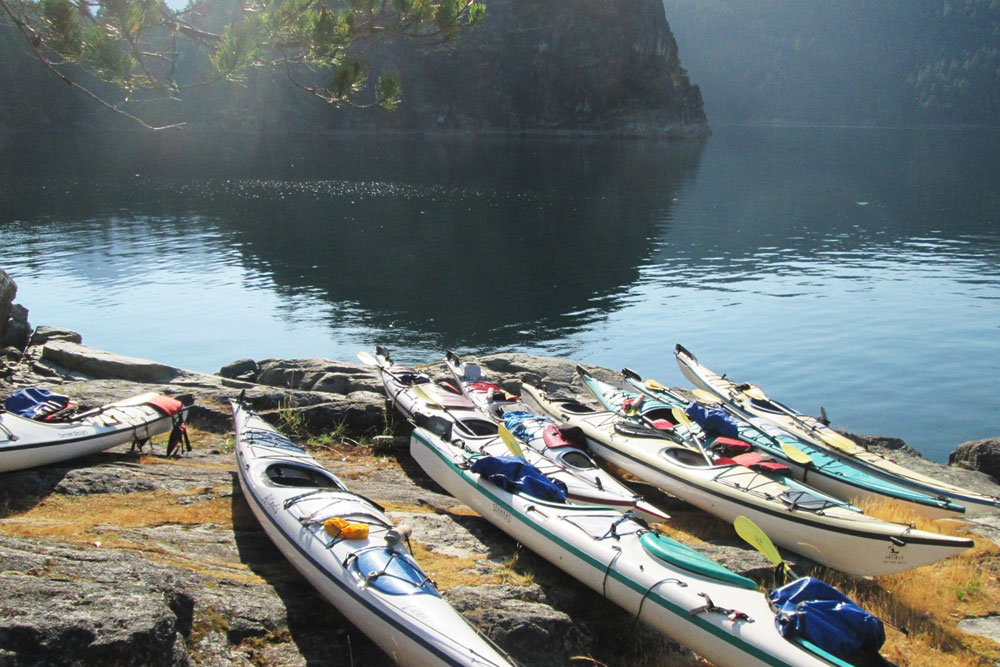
<point>230,596</point>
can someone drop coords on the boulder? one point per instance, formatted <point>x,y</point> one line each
<point>241,369</point>
<point>44,334</point>
<point>18,330</point>
<point>981,455</point>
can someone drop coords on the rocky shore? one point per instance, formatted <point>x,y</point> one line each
<point>125,558</point>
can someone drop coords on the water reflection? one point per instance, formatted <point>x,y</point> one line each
<point>493,241</point>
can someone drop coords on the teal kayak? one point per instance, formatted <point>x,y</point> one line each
<point>808,464</point>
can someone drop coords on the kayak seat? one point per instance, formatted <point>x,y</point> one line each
<point>662,424</point>
<point>772,466</point>
<point>471,372</point>
<point>731,446</point>
<point>553,437</point>
<point>755,461</point>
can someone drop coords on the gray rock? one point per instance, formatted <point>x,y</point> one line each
<point>93,606</point>
<point>318,375</point>
<point>43,334</point>
<point>241,369</point>
<point>981,455</point>
<point>18,329</point>
<point>101,364</point>
<point>984,626</point>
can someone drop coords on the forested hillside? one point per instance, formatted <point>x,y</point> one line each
<point>884,62</point>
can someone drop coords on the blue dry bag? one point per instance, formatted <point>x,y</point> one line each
<point>819,613</point>
<point>515,474</point>
<point>714,421</point>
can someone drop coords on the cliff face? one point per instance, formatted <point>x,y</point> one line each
<point>534,66</point>
<point>539,66</point>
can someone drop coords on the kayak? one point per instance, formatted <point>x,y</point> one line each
<point>422,402</point>
<point>807,463</point>
<point>399,382</point>
<point>715,612</point>
<point>748,400</point>
<point>349,550</point>
<point>793,514</point>
<point>27,443</point>
<point>488,396</point>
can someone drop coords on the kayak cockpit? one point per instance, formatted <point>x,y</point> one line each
<point>391,571</point>
<point>287,474</point>
<point>479,427</point>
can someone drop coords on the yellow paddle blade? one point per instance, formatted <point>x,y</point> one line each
<point>654,385</point>
<point>755,392</point>
<point>511,442</point>
<point>756,538</point>
<point>834,439</point>
<point>705,396</point>
<point>425,396</point>
<point>794,453</point>
<point>681,418</point>
<point>367,358</point>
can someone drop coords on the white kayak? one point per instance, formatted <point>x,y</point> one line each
<point>488,396</point>
<point>399,382</point>
<point>716,613</point>
<point>792,514</point>
<point>348,549</point>
<point>420,401</point>
<point>27,443</point>
<point>750,401</point>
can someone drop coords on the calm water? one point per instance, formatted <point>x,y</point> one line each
<point>856,269</point>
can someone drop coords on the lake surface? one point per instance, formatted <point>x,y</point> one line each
<point>854,269</point>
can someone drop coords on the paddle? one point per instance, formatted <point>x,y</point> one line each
<point>509,440</point>
<point>788,449</point>
<point>795,454</point>
<point>367,359</point>
<point>421,393</point>
<point>706,397</point>
<point>684,420</point>
<point>829,436</point>
<point>756,538</point>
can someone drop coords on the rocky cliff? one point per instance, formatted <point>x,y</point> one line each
<point>537,66</point>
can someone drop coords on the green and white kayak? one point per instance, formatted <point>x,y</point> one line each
<point>821,441</point>
<point>792,514</point>
<point>714,612</point>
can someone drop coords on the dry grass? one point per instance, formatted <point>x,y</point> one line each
<point>100,517</point>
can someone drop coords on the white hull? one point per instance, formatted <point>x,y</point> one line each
<point>838,536</point>
<point>416,627</point>
<point>811,430</point>
<point>36,443</point>
<point>578,540</point>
